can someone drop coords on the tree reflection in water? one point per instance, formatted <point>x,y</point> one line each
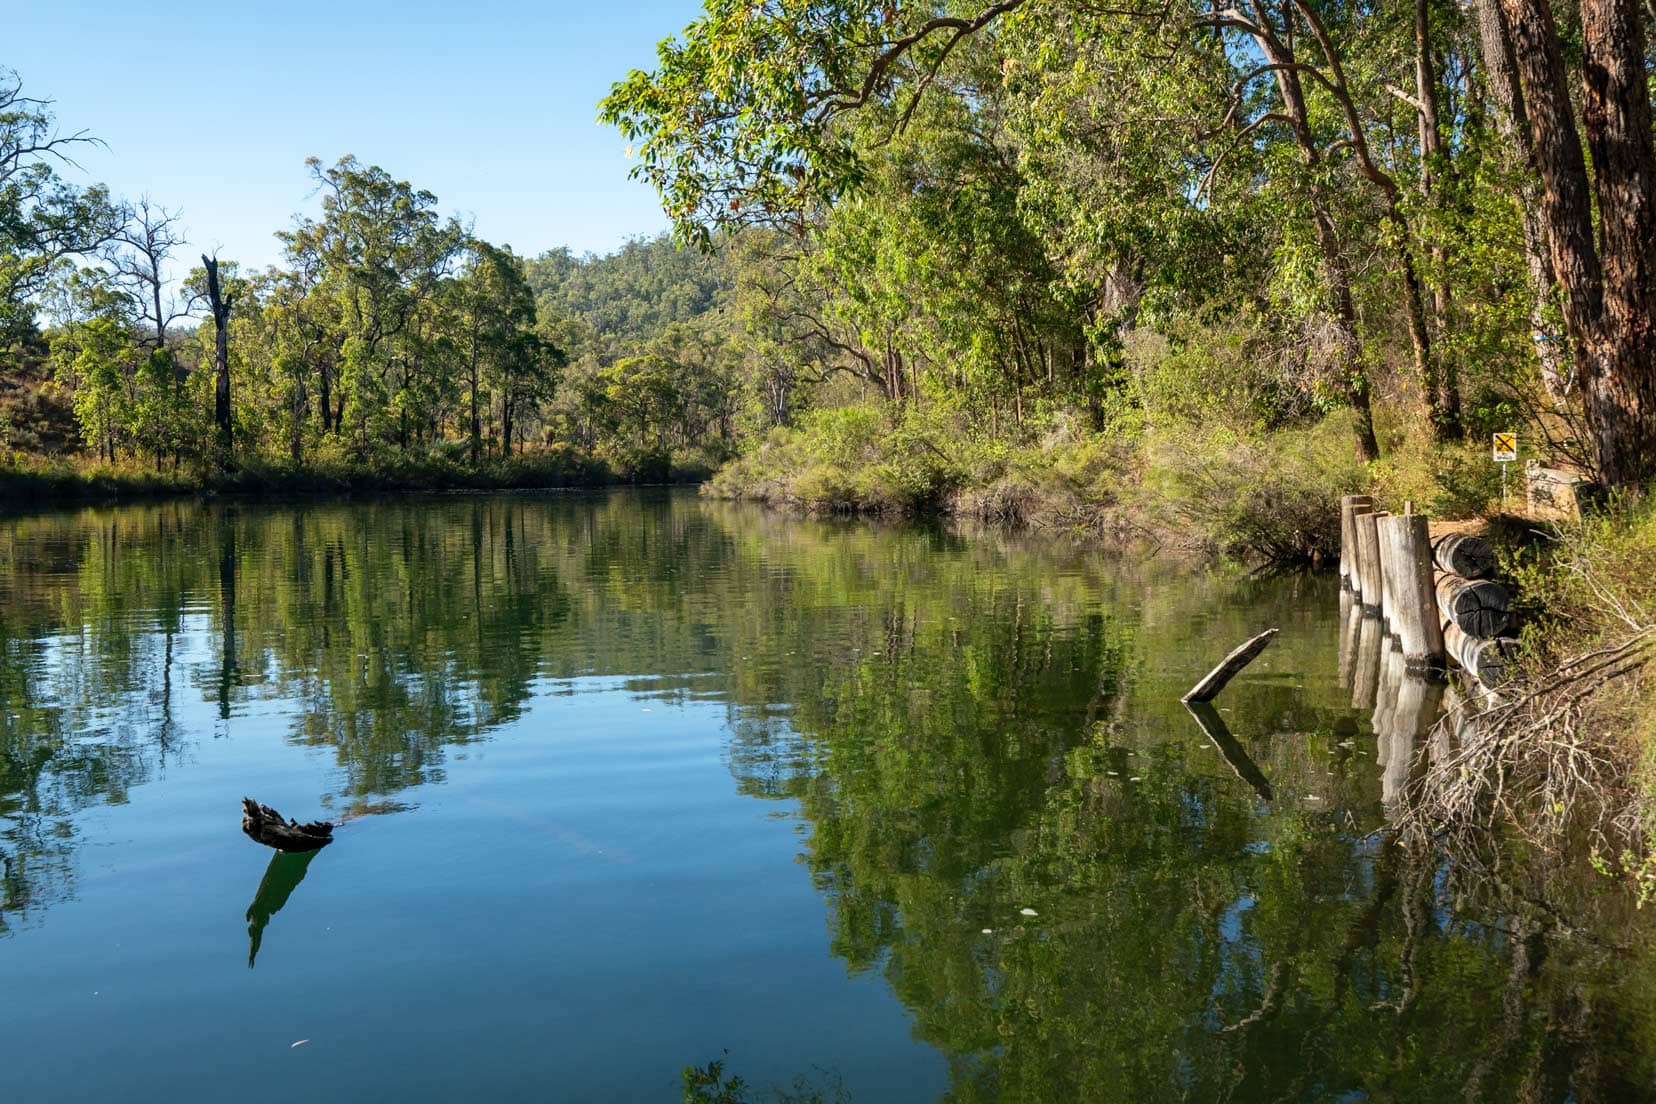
<point>965,727</point>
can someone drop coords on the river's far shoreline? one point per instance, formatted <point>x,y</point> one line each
<point>46,485</point>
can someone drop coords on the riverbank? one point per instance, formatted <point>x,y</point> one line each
<point>1573,735</point>
<point>1262,495</point>
<point>46,483</point>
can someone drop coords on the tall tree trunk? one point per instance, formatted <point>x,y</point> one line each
<point>506,425</point>
<point>296,439</point>
<point>1353,378</point>
<point>220,304</point>
<point>1608,289</point>
<point>1447,405</point>
<point>324,396</point>
<point>476,422</point>
<point>1553,354</point>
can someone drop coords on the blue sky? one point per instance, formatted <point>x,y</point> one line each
<point>491,104</point>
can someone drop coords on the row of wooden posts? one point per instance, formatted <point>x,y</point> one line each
<point>1434,598</point>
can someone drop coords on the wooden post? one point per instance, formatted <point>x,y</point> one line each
<point>1479,607</point>
<point>1412,606</point>
<point>1368,559</point>
<point>1371,642</point>
<point>1484,660</point>
<point>1349,505</point>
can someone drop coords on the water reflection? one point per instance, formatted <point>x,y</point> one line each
<point>1214,728</point>
<point>1009,816</point>
<point>281,878</point>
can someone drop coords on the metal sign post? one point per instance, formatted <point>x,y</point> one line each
<point>1505,452</point>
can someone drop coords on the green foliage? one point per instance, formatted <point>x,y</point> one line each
<point>44,219</point>
<point>709,1084</point>
<point>1274,497</point>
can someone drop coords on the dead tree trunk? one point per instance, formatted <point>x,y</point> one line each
<point>220,305</point>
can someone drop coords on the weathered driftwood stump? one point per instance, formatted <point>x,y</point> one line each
<point>265,825</point>
<point>1228,668</point>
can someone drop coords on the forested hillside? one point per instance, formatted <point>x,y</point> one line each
<point>389,338</point>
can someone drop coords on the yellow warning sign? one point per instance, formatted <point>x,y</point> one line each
<point>1506,447</point>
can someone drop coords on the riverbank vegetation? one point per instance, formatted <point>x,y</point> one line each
<point>1162,271</point>
<point>391,348</point>
<point>1141,267</point>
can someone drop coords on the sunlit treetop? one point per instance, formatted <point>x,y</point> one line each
<point>739,124</point>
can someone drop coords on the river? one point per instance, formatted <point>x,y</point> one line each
<point>632,782</point>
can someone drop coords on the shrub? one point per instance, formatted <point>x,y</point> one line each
<point>1275,497</point>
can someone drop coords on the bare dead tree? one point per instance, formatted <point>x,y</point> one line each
<point>220,305</point>
<point>139,254</point>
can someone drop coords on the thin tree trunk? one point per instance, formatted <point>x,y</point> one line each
<point>1447,424</point>
<point>1353,380</point>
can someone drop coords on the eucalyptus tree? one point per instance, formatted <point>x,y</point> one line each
<point>494,308</point>
<point>138,256</point>
<point>380,252</point>
<point>1605,265</point>
<point>43,218</point>
<point>97,360</point>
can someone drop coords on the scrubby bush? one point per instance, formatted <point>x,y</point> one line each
<point>1446,481</point>
<point>1273,497</point>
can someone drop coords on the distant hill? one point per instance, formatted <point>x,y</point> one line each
<point>630,295</point>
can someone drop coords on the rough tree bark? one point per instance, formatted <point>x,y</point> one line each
<point>1512,122</point>
<point>1608,284</point>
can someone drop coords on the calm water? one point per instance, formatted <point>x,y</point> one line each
<point>634,780</point>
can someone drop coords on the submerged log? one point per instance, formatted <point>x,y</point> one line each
<point>1479,607</point>
<point>265,825</point>
<point>1460,554</point>
<point>1228,668</point>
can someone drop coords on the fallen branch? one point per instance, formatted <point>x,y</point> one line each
<point>1229,668</point>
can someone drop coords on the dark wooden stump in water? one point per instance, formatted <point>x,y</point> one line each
<point>265,825</point>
